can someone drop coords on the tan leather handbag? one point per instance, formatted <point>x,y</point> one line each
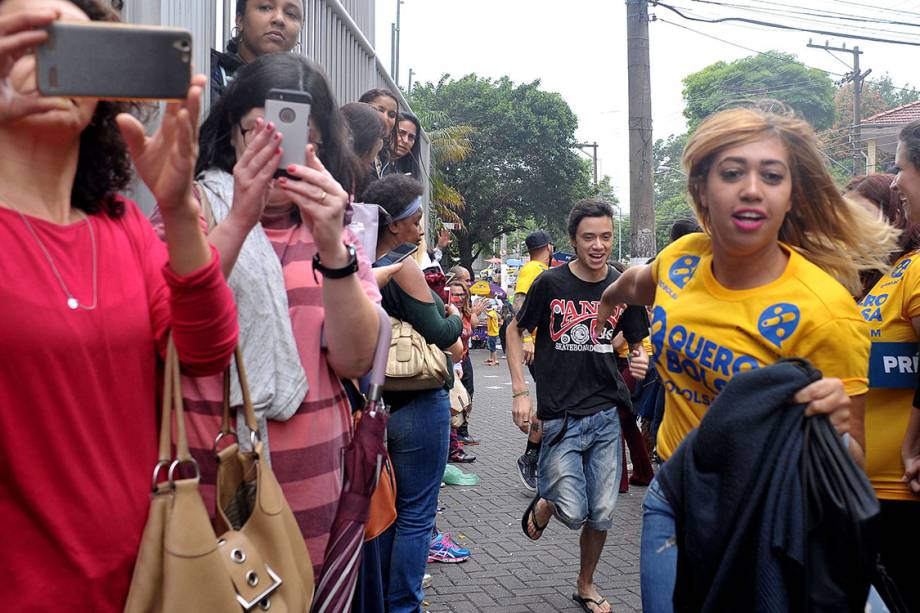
<point>259,563</point>
<point>414,364</point>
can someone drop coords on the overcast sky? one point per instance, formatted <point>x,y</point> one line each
<point>578,48</point>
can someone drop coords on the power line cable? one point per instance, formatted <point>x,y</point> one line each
<point>780,26</point>
<point>877,8</point>
<point>790,10</point>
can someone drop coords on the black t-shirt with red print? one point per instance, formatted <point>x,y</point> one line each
<point>575,369</point>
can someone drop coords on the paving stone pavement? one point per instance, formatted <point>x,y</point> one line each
<point>507,572</point>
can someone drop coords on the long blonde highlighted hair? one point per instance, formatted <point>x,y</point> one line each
<point>833,233</point>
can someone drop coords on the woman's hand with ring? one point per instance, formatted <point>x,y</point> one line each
<point>322,203</point>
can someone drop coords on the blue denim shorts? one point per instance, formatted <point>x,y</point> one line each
<point>580,472</point>
<point>493,343</point>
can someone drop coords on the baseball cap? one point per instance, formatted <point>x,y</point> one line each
<point>537,239</point>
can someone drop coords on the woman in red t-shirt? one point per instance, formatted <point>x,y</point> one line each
<point>88,298</point>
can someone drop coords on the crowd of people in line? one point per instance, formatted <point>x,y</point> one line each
<point>291,268</point>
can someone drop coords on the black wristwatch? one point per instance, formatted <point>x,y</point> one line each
<point>337,273</point>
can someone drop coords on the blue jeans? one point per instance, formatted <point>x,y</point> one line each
<point>417,438</point>
<point>658,556</point>
<point>658,551</point>
<point>580,474</point>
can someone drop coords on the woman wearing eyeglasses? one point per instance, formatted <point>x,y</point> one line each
<point>298,275</point>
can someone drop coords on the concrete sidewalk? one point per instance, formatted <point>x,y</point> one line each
<point>507,572</point>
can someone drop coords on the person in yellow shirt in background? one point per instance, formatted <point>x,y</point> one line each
<point>892,311</point>
<point>758,286</point>
<point>494,323</point>
<point>540,247</point>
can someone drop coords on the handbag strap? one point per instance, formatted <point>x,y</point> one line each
<point>172,405</point>
<point>249,412</point>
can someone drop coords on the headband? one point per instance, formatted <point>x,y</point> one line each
<point>413,207</point>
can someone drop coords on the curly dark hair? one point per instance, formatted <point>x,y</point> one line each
<point>104,165</point>
<point>394,194</point>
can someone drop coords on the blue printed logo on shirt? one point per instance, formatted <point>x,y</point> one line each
<point>900,269</point>
<point>778,322</point>
<point>682,270</point>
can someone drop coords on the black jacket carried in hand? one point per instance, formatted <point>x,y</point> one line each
<point>750,536</point>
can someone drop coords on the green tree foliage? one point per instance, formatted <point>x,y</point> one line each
<point>877,96</point>
<point>891,94</point>
<point>449,144</point>
<point>521,165</point>
<point>774,75</point>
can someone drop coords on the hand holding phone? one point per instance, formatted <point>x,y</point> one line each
<point>166,160</point>
<point>253,172</point>
<point>322,202</point>
<point>20,32</point>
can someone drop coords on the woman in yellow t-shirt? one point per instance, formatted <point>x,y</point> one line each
<point>891,308</point>
<point>759,285</point>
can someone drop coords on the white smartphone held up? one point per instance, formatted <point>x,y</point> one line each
<point>449,226</point>
<point>289,110</point>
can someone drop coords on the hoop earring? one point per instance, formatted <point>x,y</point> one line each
<point>235,32</point>
<point>298,48</point>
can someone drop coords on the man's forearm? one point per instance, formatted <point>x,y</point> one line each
<point>515,354</point>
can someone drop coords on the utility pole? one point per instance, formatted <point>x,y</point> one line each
<point>857,78</point>
<point>593,147</point>
<point>409,86</point>
<point>641,185</point>
<point>393,50</point>
<point>398,33</point>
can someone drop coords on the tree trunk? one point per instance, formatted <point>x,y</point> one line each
<point>465,249</point>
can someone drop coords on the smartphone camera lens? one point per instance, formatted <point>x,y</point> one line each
<point>287,115</point>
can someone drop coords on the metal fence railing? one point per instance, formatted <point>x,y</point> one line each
<point>338,35</point>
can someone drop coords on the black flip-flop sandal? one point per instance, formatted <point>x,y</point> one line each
<point>584,602</point>
<point>530,514</point>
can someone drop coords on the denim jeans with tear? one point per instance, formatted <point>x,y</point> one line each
<point>658,551</point>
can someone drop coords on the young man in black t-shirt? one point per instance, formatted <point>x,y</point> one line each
<point>578,391</point>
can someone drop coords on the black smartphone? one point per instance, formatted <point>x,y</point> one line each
<point>397,255</point>
<point>114,61</point>
<point>289,110</point>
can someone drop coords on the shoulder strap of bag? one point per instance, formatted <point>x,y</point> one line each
<point>249,412</point>
<point>172,404</point>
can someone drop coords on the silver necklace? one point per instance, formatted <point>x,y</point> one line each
<point>72,302</point>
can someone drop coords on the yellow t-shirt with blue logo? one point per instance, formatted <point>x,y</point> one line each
<point>888,309</point>
<point>705,333</point>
